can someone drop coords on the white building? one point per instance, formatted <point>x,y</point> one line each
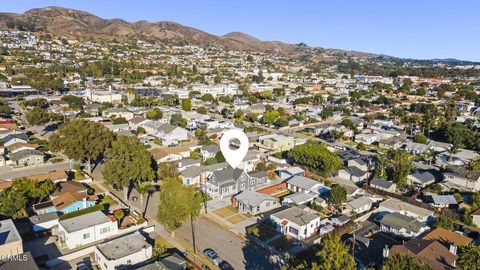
<point>124,251</point>
<point>103,96</point>
<point>77,231</point>
<point>296,222</point>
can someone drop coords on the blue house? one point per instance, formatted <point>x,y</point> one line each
<point>69,197</point>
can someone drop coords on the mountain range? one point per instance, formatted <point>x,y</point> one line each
<point>70,23</point>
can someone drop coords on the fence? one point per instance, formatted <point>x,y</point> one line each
<point>446,212</point>
<point>273,189</point>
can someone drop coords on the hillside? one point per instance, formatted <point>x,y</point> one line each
<point>63,22</point>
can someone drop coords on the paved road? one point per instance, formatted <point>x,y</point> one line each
<point>22,172</point>
<point>238,252</point>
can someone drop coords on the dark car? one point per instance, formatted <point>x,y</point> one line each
<point>117,187</point>
<point>224,265</point>
<point>212,256</point>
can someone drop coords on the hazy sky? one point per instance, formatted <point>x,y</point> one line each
<point>404,28</point>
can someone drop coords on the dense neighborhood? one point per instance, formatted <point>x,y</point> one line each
<point>110,159</point>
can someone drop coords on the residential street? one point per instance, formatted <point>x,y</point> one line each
<point>21,172</point>
<point>238,252</point>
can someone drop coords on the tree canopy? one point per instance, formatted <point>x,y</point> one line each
<point>317,157</point>
<point>177,203</point>
<point>333,255</point>
<point>403,262</point>
<point>82,140</point>
<point>128,161</point>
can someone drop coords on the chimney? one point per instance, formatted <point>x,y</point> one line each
<point>386,252</point>
<point>453,249</point>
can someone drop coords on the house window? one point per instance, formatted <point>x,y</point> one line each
<point>242,186</point>
<point>86,235</point>
<point>268,204</point>
<point>293,230</point>
<point>258,208</point>
<point>252,182</point>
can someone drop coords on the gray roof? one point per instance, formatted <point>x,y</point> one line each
<point>227,175</point>
<point>342,219</point>
<point>299,198</point>
<point>123,246</point>
<point>253,198</point>
<point>292,170</point>
<point>8,232</point>
<point>84,221</point>
<point>25,153</point>
<point>359,202</point>
<point>303,182</point>
<point>381,183</point>
<point>296,215</point>
<point>171,262</point>
<point>259,174</point>
<point>399,221</point>
<point>167,128</point>
<point>38,219</point>
<point>444,199</point>
<point>462,172</point>
<point>190,172</point>
<point>25,263</point>
<point>189,161</point>
<point>355,171</point>
<point>21,136</point>
<point>423,176</point>
<point>212,148</point>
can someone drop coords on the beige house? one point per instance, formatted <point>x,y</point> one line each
<point>11,243</point>
<point>276,143</point>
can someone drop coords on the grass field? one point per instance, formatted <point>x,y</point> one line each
<point>237,218</point>
<point>226,211</point>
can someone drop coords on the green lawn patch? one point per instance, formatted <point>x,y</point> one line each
<point>105,204</point>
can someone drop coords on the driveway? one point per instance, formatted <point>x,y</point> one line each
<point>239,253</point>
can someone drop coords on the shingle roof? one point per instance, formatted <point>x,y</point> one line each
<point>296,215</point>
<point>423,176</point>
<point>25,153</point>
<point>399,221</point>
<point>447,237</point>
<point>253,198</point>
<point>381,183</point>
<point>302,182</point>
<point>359,202</point>
<point>462,172</point>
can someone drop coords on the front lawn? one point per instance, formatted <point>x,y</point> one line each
<point>261,231</point>
<point>226,211</point>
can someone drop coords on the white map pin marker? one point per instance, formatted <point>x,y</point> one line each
<point>234,156</point>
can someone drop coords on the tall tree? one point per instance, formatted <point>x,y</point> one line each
<point>333,255</point>
<point>403,262</point>
<point>317,157</point>
<point>177,204</point>
<point>338,194</point>
<point>469,257</point>
<point>82,140</point>
<point>400,166</point>
<point>128,161</point>
<point>144,188</point>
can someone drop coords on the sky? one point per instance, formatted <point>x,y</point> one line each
<point>421,29</point>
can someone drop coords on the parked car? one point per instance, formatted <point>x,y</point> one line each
<point>117,187</point>
<point>212,256</point>
<point>224,265</point>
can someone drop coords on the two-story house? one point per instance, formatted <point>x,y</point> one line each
<point>230,181</point>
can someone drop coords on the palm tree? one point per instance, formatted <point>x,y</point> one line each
<point>145,188</point>
<point>381,163</point>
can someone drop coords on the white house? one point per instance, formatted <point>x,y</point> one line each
<point>254,203</point>
<point>296,222</point>
<point>11,243</point>
<point>124,251</point>
<point>77,231</point>
<point>359,205</point>
<point>401,225</point>
<point>302,184</point>
<point>396,206</point>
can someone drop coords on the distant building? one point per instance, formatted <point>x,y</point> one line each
<point>402,225</point>
<point>460,178</point>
